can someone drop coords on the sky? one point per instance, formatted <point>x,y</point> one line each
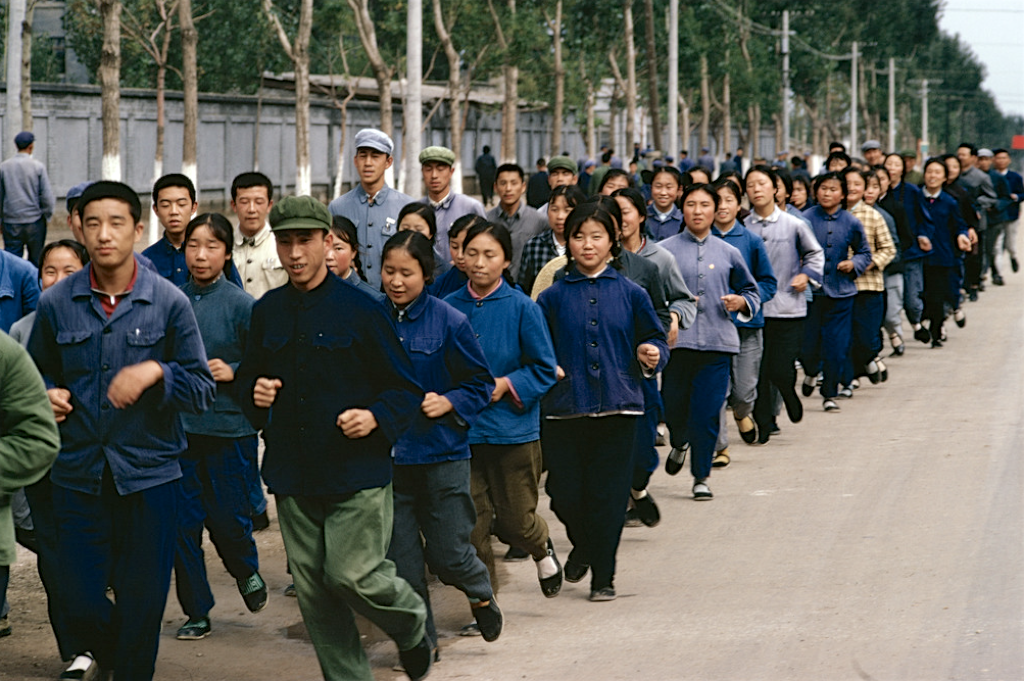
<point>994,29</point>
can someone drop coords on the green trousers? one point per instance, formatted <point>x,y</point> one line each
<point>336,548</point>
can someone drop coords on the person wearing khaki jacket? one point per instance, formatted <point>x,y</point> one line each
<point>29,443</point>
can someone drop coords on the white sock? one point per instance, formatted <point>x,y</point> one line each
<point>638,493</point>
<point>872,367</point>
<point>546,567</point>
<point>81,663</point>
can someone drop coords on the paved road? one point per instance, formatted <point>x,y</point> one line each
<point>883,542</point>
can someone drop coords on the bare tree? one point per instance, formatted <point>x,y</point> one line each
<point>510,107</point>
<point>705,101</point>
<point>190,90</point>
<point>342,105</point>
<point>110,84</point>
<point>725,106</point>
<point>26,66</point>
<point>627,84</point>
<point>15,18</point>
<point>382,72</point>
<point>298,51</point>
<point>555,25</point>
<point>444,34</point>
<point>653,100</point>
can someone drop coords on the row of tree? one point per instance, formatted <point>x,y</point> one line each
<point>564,54</point>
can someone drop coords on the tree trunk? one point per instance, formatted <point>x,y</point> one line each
<point>557,114</point>
<point>110,84</point>
<point>630,77</point>
<point>705,102</point>
<point>726,112</point>
<point>653,100</point>
<point>190,86</point>
<point>381,71</point>
<point>161,129</point>
<point>684,127</point>
<point>300,60</point>
<point>755,131</point>
<point>454,90</point>
<point>26,68</point>
<point>15,17</point>
<point>591,121</point>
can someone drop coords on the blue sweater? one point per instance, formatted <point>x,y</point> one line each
<point>597,323</point>
<point>838,234</point>
<point>751,247</point>
<point>515,338</point>
<point>448,361</point>
<point>222,311</point>
<point>334,349</point>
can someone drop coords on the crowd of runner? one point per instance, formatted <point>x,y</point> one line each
<point>415,368</point>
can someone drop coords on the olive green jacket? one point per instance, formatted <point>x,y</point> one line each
<point>29,441</point>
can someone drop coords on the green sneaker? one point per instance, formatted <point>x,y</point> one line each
<point>254,592</point>
<point>194,630</point>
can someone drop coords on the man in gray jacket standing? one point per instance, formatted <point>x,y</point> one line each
<point>26,200</point>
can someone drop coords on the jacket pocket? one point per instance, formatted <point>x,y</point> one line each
<point>425,346</point>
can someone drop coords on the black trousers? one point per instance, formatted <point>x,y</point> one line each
<point>782,339</point>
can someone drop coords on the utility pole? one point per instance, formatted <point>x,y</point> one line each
<point>785,78</point>
<point>892,104</point>
<point>673,79</point>
<point>853,100</point>
<point>413,123</point>
<point>924,118</point>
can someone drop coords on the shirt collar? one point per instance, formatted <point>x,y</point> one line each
<point>735,230</point>
<point>692,237</point>
<point>771,219</point>
<point>413,310</point>
<point>608,272</point>
<point>255,240</point>
<point>473,294</point>
<point>515,215</point>
<point>443,203</point>
<point>377,199</point>
<point>930,196</point>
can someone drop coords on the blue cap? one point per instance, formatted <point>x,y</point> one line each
<point>374,139</point>
<point>23,139</point>
<point>75,193</point>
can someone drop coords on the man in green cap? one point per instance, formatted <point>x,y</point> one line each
<point>325,356</point>
<point>438,165</point>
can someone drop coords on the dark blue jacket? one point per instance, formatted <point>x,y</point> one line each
<point>910,197</point>
<point>170,263</point>
<point>947,224</point>
<point>1016,183</point>
<point>658,230</point>
<point>517,344</point>
<point>19,289</point>
<point>838,234</point>
<point>334,349</point>
<point>77,347</point>
<point>448,361</point>
<point>1000,212</point>
<point>448,283</point>
<point>754,253</point>
<point>597,324</point>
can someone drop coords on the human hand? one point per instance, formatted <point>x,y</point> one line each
<point>435,406</point>
<point>60,402</point>
<point>221,370</point>
<point>131,381</point>
<point>356,423</point>
<point>265,391</point>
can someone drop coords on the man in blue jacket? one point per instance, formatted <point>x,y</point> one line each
<point>1016,183</point>
<point>326,378</point>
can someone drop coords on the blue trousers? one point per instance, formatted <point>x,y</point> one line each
<point>40,501</point>
<point>213,492</point>
<point>645,453</point>
<point>590,464</point>
<point>125,542</point>
<point>257,500</point>
<point>827,340</point>
<point>31,235</point>
<point>866,340</point>
<point>434,518</point>
<point>694,385</point>
<point>913,288</point>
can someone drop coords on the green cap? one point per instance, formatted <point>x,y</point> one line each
<point>562,163</point>
<point>438,154</point>
<point>299,212</point>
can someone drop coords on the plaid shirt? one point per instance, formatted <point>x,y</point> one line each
<point>883,249</point>
<point>537,252</point>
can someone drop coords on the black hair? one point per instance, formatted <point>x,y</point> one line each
<point>731,174</point>
<point>606,157</point>
<point>219,226</point>
<point>903,165</point>
<point>541,161</point>
<point>838,156</point>
<point>634,196</point>
<point>937,160</point>
<point>688,180</point>
<point>501,235</point>
<point>599,213</point>
<point>487,149</point>
<point>669,170</point>
<point>509,168</point>
<point>946,157</point>
<point>417,246</point>
<point>344,229</point>
<point>465,222</point>
<point>72,245</point>
<point>831,175</point>
<point>1000,150</point>
<point>967,145</point>
<point>806,184</point>
<point>572,194</point>
<point>764,169</point>
<point>724,183</point>
<point>174,180</point>
<point>608,205</point>
<point>796,162</point>
<point>425,211</point>
<point>787,180</point>
<point>613,173</point>
<point>706,188</point>
<point>836,145</point>
<point>252,179</point>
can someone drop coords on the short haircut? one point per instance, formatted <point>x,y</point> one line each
<point>487,149</point>
<point>688,176</point>
<point>903,164</point>
<point>70,244</point>
<point>838,156</point>
<point>510,168</point>
<point>425,211</point>
<point>607,156</point>
<point>541,161</point>
<point>572,194</point>
<point>832,175</point>
<point>462,224</point>
<point>417,246</point>
<point>252,179</point>
<point>612,174</point>
<point>723,183</point>
<point>219,226</point>
<point>1000,150</point>
<point>634,196</point>
<point>174,180</point>
<point>500,234</point>
<point>937,160</point>
<point>764,169</point>
<point>839,146</point>
<point>970,147</point>
<point>667,170</point>
<point>344,229</point>
<point>806,184</point>
<point>796,162</point>
<point>597,211</point>
<point>706,188</point>
<point>787,180</point>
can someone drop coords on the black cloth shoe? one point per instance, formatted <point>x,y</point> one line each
<point>417,660</point>
<point>83,668</point>
<point>922,335</point>
<point>1014,265</point>
<point>254,592</point>
<point>997,280</point>
<point>194,630</point>
<point>260,522</point>
<point>676,459</point>
<point>605,593</point>
<point>514,555</point>
<point>647,511</point>
<point>794,408</point>
<point>488,618</point>
<point>574,571</point>
<point>550,586</point>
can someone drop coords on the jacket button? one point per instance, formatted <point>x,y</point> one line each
<point>106,330</point>
<point>593,322</point>
<point>479,303</point>
<point>105,407</point>
<point>593,344</point>
<point>594,366</point>
<point>593,301</point>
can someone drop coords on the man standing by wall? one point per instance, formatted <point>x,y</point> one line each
<point>26,200</point>
<point>486,172</point>
<point>438,165</point>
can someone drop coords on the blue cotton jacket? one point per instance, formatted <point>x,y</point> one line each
<point>19,289</point>
<point>910,197</point>
<point>449,361</point>
<point>597,323</point>
<point>223,312</point>
<point>77,347</point>
<point>751,247</point>
<point>334,349</point>
<point>947,224</point>
<point>659,230</point>
<point>375,223</point>
<point>711,269</point>
<point>448,283</point>
<point>842,238</point>
<point>514,336</point>
<point>169,262</point>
